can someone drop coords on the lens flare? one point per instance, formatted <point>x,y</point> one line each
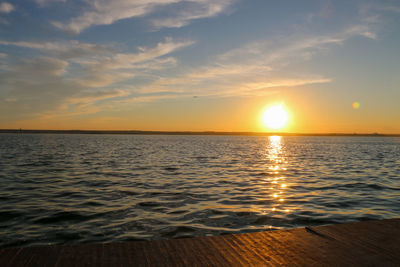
<point>356,105</point>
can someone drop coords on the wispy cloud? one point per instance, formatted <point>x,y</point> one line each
<point>257,67</point>
<point>101,65</point>
<point>47,2</point>
<point>120,60</point>
<point>294,45</point>
<point>84,100</point>
<point>392,8</point>
<point>6,7</point>
<point>66,49</point>
<point>35,70</point>
<point>375,13</point>
<point>191,11</point>
<point>148,98</point>
<point>51,82</point>
<point>76,78</point>
<point>105,12</point>
<point>283,83</point>
<point>105,70</point>
<point>371,8</point>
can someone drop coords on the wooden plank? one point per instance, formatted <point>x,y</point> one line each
<point>38,256</point>
<point>8,255</point>
<point>308,249</point>
<point>249,247</point>
<point>295,246</point>
<point>373,243</point>
<point>228,252</point>
<point>265,247</point>
<point>215,258</point>
<point>377,238</point>
<point>81,255</point>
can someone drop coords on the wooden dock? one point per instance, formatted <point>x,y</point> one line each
<point>369,243</point>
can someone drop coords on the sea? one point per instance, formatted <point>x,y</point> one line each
<point>85,188</point>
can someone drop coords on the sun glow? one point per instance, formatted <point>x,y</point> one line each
<point>275,117</point>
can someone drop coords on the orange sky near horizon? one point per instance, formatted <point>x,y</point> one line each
<point>235,115</point>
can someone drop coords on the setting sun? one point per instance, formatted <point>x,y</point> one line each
<point>275,117</point>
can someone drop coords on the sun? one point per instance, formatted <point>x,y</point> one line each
<point>275,117</point>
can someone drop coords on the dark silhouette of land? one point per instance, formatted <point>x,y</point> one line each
<point>24,131</point>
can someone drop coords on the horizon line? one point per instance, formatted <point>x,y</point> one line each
<point>151,132</point>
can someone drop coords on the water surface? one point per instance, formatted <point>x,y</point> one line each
<point>58,189</point>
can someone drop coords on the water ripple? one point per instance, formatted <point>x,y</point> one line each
<point>59,189</point>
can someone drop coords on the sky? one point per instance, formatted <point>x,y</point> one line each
<point>200,65</point>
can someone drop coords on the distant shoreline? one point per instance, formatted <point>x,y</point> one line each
<point>138,132</point>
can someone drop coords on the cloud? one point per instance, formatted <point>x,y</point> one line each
<point>193,10</point>
<point>86,98</point>
<point>294,45</point>
<point>6,7</point>
<point>32,85</point>
<point>97,65</point>
<point>148,98</point>
<point>106,12</point>
<point>101,65</point>
<point>284,83</point>
<point>67,49</point>
<point>37,69</point>
<point>126,60</point>
<point>103,71</point>
<point>47,2</point>
<point>395,9</point>
<point>359,30</point>
<point>366,9</point>
<point>257,67</point>
<point>71,78</point>
<point>40,87</point>
<point>374,14</point>
<point>80,103</point>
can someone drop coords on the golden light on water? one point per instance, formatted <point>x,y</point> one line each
<point>275,184</point>
<point>275,117</point>
<point>277,166</point>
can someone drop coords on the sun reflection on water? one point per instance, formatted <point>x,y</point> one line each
<point>276,167</point>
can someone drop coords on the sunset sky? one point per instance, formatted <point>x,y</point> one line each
<point>205,65</point>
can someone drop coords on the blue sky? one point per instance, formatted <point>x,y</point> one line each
<point>199,65</point>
